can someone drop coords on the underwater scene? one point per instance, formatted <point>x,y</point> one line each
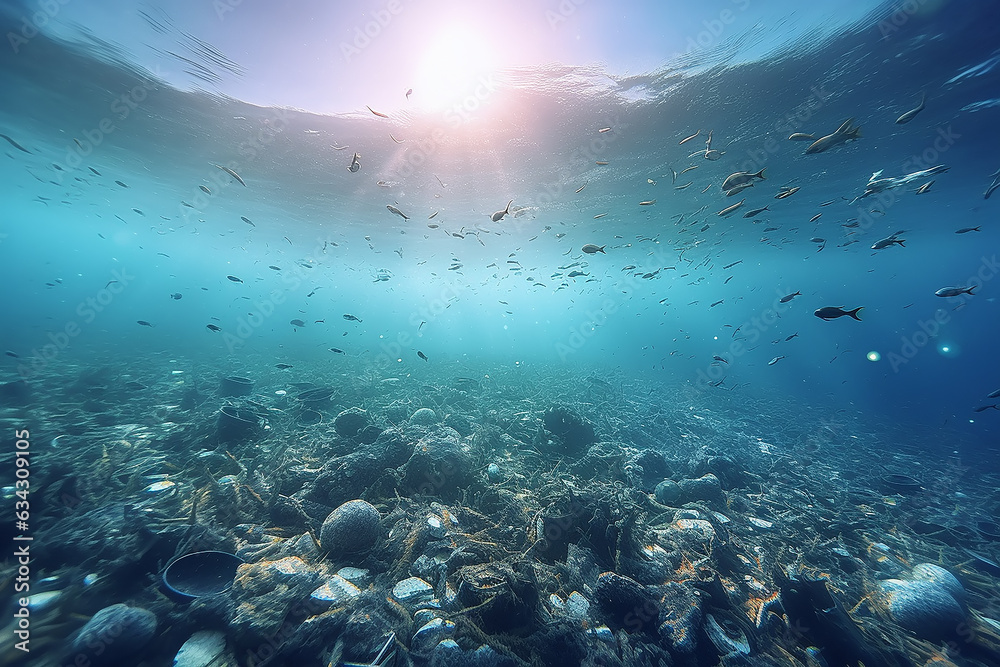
<point>500,334</point>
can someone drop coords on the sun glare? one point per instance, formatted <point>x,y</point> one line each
<point>454,67</point>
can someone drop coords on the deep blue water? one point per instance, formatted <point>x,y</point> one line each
<point>69,228</point>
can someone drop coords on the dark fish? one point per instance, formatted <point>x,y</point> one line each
<point>393,209</point>
<point>351,318</point>
<point>726,281</point>
<point>716,303</point>
<point>205,190</point>
<point>12,354</point>
<point>121,184</point>
<point>833,312</point>
<point>297,323</point>
<point>815,217</point>
<point>337,350</point>
<point>422,355</point>
<point>247,220</point>
<point>212,327</point>
<point>756,211</point>
<point>983,408</point>
<point>143,323</point>
<point>234,279</point>
<point>591,248</point>
<point>176,296</point>
<point>966,230</point>
<point>282,366</point>
<point>276,268</point>
<point>718,358</point>
<point>231,173</point>
<point>16,145</point>
<point>94,171</point>
<point>792,336</point>
<point>729,266</point>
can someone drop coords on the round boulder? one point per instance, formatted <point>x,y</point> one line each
<point>923,607</point>
<point>115,634</point>
<point>350,421</point>
<point>351,528</point>
<point>706,487</point>
<point>424,417</point>
<point>667,492</point>
<point>941,577</point>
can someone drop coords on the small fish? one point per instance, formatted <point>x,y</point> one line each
<point>726,281</point>
<point>908,116</point>
<point>729,209</point>
<point>801,136</point>
<point>121,184</point>
<point>794,335</point>
<point>925,187</point>
<point>337,350</point>
<point>234,279</point>
<point>393,209</point>
<point>687,139</point>
<point>694,166</point>
<point>351,318</point>
<point>575,274</point>
<point>380,115</point>
<point>591,248</point>
<point>716,303</point>
<point>712,154</point>
<point>604,129</point>
<point>499,215</point>
<point>247,220</point>
<point>983,408</point>
<point>599,216</point>
<point>15,355</point>
<point>17,145</point>
<point>282,366</point>
<point>231,173</point>
<point>786,193</point>
<point>94,171</point>
<point>212,327</point>
<point>135,210</point>
<point>176,296</point>
<point>355,163</point>
<point>846,132</point>
<point>578,191</point>
<point>955,291</point>
<point>648,202</point>
<point>433,215</point>
<point>993,394</point>
<point>422,355</point>
<point>816,217</point>
<point>789,297</point>
<point>729,266</point>
<point>833,312</point>
<point>718,358</point>
<point>601,162</point>
<point>297,323</point>
<point>274,268</point>
<point>143,323</point>
<point>775,360</point>
<point>756,211</point>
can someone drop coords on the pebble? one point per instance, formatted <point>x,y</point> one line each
<point>115,634</point>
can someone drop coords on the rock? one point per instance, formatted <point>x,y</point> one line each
<point>424,417</point>
<point>351,528</point>
<point>941,577</point>
<point>439,465</point>
<point>707,487</point>
<point>115,634</point>
<point>350,421</point>
<point>625,602</point>
<point>573,433</point>
<point>667,492</point>
<point>679,618</point>
<point>460,423</point>
<point>923,607</point>
<point>645,469</point>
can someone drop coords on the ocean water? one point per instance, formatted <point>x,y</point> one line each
<point>116,212</point>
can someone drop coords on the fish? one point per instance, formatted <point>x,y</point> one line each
<point>337,350</point>
<point>786,193</point>
<point>993,394</point>
<point>355,163</point>
<point>833,312</point>
<point>176,296</point>
<point>756,211</point>
<point>729,209</point>
<point>499,215</point>
<point>908,116</point>
<point>629,267</point>
<point>94,171</point>
<point>601,162</point>
<point>771,229</point>
<point>694,166</point>
<point>231,173</point>
<point>815,217</point>
<point>275,268</point>
<point>742,177</point>
<point>789,297</point>
<point>205,190</point>
<point>955,291</point>
<point>712,154</point>
<point>716,303</point>
<point>718,358</point>
<point>801,136</point>
<point>125,186</point>
<point>729,266</point>
<point>391,137</point>
<point>794,335</point>
<point>143,323</point>
<point>604,130</point>
<point>247,220</point>
<point>297,323</point>
<point>888,241</point>
<point>726,281</point>
<point>282,366</point>
<point>983,408</point>
<point>575,274</point>
<point>15,355</point>
<point>351,318</point>
<point>16,145</point>
<point>380,115</point>
<point>843,134</point>
<point>422,355</point>
<point>433,215</point>
<point>735,190</point>
<point>393,209</point>
<point>687,139</point>
<point>683,187</point>
<point>578,191</point>
<point>409,91</point>
<point>234,279</point>
<point>212,327</point>
<point>992,186</point>
<point>648,202</point>
<point>775,360</point>
<point>591,248</point>
<point>599,216</point>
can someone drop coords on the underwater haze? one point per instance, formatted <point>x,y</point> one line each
<point>540,205</point>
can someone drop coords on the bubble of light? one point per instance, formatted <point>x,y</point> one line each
<point>874,356</point>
